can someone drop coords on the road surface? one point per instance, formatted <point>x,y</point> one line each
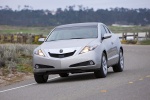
<point>132,84</point>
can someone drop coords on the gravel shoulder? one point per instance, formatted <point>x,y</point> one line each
<point>13,78</point>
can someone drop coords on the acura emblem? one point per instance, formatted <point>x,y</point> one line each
<point>61,51</point>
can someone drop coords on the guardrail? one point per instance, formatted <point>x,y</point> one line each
<point>135,36</point>
<point>30,38</point>
<point>19,38</point>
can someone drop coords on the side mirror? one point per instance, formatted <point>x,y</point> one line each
<point>41,39</point>
<point>106,36</point>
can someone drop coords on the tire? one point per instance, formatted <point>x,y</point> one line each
<point>120,65</point>
<point>40,78</point>
<point>102,72</point>
<point>64,75</point>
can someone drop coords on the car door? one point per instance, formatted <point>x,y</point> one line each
<point>113,55</point>
<point>106,43</point>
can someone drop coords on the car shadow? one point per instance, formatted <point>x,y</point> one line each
<point>76,77</point>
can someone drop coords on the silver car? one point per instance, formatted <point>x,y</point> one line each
<point>76,48</point>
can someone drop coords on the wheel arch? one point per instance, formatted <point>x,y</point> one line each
<point>105,54</point>
<point>121,48</point>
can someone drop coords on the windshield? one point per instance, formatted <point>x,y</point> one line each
<point>73,33</point>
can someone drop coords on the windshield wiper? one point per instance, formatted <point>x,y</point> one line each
<point>67,39</point>
<point>77,38</point>
<point>52,40</point>
<point>57,40</point>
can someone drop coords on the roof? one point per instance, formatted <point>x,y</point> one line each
<point>78,24</point>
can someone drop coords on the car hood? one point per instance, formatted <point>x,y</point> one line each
<point>66,45</point>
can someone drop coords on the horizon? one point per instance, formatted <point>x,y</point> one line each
<point>95,4</point>
<point>76,8</point>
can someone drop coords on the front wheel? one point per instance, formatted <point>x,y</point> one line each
<point>102,72</point>
<point>120,65</point>
<point>40,78</point>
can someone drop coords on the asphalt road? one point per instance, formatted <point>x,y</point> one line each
<point>132,84</point>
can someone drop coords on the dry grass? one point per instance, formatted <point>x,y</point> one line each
<point>5,29</point>
<point>15,63</point>
<point>16,57</point>
<point>128,41</point>
<point>145,42</point>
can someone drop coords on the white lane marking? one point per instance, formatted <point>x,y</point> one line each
<point>17,87</point>
<point>23,86</point>
<point>53,78</point>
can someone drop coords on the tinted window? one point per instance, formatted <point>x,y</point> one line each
<point>103,31</point>
<point>73,33</point>
<point>108,31</point>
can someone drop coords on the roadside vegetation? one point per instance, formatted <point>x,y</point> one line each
<point>145,42</point>
<point>16,57</point>
<point>129,41</point>
<point>132,29</point>
<point>4,29</point>
<point>15,62</point>
<point>142,42</point>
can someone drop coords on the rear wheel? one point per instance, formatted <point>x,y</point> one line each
<point>63,74</point>
<point>102,72</point>
<point>120,65</point>
<point>40,78</point>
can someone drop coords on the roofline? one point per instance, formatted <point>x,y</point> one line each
<point>79,24</point>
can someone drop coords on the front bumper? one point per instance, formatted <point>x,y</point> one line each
<point>72,64</point>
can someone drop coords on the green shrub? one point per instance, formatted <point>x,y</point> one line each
<point>128,41</point>
<point>131,41</point>
<point>145,42</point>
<point>16,57</point>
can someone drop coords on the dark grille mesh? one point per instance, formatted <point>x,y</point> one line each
<point>61,55</point>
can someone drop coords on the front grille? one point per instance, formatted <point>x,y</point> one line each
<point>61,55</point>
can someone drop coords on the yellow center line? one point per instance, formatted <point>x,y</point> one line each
<point>141,79</point>
<point>103,91</point>
<point>148,76</point>
<point>130,82</point>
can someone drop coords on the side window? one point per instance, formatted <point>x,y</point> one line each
<point>103,31</point>
<point>109,30</point>
<point>106,30</point>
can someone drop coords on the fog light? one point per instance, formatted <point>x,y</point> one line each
<point>91,63</point>
<point>36,66</point>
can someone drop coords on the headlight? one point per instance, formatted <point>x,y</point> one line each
<point>39,52</point>
<point>88,48</point>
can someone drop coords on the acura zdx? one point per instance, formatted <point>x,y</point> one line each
<point>76,48</point>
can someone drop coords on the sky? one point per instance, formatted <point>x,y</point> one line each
<point>54,4</point>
